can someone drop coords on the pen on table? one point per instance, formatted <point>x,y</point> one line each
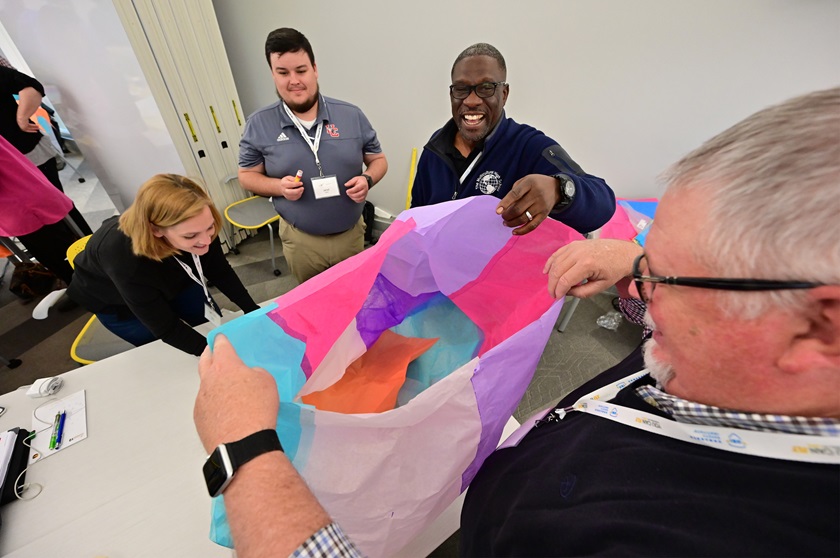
<point>55,430</point>
<point>60,430</point>
<point>298,175</point>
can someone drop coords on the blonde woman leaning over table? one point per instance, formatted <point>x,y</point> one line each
<point>143,274</point>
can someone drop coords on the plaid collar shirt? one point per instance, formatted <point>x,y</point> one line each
<point>690,412</point>
<point>327,542</point>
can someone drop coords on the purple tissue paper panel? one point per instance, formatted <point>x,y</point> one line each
<point>386,306</point>
<point>501,381</point>
<point>480,234</point>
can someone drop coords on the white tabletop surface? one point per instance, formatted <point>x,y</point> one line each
<point>134,487</point>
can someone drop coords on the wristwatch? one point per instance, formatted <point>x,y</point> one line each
<point>222,464</point>
<point>369,179</point>
<point>567,193</point>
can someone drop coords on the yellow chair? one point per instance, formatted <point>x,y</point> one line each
<point>76,248</point>
<point>94,342</point>
<point>252,214</point>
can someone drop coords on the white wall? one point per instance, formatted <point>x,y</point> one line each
<point>80,48</point>
<point>627,87</point>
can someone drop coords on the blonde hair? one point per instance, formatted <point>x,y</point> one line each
<point>163,201</point>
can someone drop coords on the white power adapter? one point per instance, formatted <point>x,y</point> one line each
<point>44,387</point>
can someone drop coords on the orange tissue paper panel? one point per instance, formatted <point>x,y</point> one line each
<point>372,382</point>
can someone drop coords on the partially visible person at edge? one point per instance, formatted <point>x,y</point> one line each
<point>17,127</point>
<point>329,142</point>
<point>33,211</point>
<point>482,151</point>
<point>142,274</point>
<point>744,300</point>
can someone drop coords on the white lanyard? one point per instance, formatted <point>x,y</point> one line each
<point>776,445</point>
<point>197,262</point>
<point>313,146</point>
<point>470,168</point>
<point>467,172</point>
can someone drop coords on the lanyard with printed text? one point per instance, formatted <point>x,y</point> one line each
<point>208,298</point>
<point>776,445</point>
<point>313,146</point>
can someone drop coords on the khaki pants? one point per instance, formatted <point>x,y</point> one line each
<point>308,255</point>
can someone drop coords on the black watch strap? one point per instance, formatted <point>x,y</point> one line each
<point>221,465</point>
<point>252,446</point>
<point>369,180</point>
<point>567,193</point>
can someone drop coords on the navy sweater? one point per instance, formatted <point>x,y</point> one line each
<point>589,486</point>
<point>511,151</point>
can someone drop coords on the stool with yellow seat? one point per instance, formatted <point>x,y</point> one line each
<point>251,214</point>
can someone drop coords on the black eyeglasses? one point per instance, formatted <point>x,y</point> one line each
<point>483,90</point>
<point>725,284</point>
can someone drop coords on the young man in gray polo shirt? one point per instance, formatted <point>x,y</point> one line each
<point>306,151</point>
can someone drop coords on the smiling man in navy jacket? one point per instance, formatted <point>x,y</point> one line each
<point>481,151</point>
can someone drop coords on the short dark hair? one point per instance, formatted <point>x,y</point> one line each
<point>285,40</point>
<point>481,49</point>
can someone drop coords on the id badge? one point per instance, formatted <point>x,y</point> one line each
<point>325,187</point>
<point>211,315</point>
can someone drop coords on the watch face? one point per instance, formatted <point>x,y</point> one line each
<point>569,188</point>
<point>218,471</point>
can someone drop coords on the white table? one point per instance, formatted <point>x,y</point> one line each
<point>134,487</point>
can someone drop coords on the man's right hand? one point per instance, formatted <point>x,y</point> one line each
<point>290,188</point>
<point>256,181</point>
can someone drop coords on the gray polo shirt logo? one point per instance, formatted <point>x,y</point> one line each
<point>332,130</point>
<point>282,137</point>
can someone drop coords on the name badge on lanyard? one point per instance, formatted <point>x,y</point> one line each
<point>212,312</point>
<point>325,186</point>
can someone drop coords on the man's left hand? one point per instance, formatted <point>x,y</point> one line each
<point>357,189</point>
<point>600,262</point>
<point>234,400</point>
<point>529,202</point>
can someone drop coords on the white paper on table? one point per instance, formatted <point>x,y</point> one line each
<point>7,444</point>
<point>75,425</point>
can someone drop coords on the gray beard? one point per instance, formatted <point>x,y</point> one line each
<point>474,136</point>
<point>659,371</point>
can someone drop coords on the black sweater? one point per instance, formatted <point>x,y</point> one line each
<point>13,82</point>
<point>110,279</point>
<point>590,486</point>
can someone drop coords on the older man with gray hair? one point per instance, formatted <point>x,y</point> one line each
<point>724,439</point>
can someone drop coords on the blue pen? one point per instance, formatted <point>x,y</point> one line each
<point>60,430</point>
